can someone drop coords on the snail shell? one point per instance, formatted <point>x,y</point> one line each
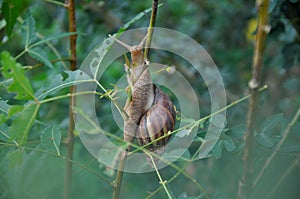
<point>157,121</point>
<point>151,114</point>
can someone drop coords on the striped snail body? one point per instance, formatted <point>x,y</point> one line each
<point>157,121</point>
<point>150,112</point>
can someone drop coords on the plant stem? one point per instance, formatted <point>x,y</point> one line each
<point>122,162</point>
<point>162,182</point>
<point>41,64</point>
<point>284,175</point>
<point>246,182</point>
<point>118,181</point>
<point>57,3</point>
<point>82,166</point>
<point>150,28</point>
<point>70,136</point>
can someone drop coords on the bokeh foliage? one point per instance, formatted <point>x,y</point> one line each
<point>35,53</point>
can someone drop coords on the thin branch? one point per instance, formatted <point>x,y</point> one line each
<point>190,125</point>
<point>41,64</point>
<point>83,166</point>
<point>119,175</point>
<point>53,48</point>
<point>197,152</point>
<point>284,175</point>
<point>277,149</point>
<point>150,28</point>
<point>57,3</point>
<point>70,136</point>
<point>161,181</point>
<point>262,30</point>
<point>245,183</point>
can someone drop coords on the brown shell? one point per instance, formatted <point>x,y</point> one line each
<point>157,121</point>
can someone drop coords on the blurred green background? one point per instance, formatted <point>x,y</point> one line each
<point>226,29</point>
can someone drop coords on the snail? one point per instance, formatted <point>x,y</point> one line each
<point>150,112</point>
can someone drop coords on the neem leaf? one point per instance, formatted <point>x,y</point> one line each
<point>14,109</point>
<point>51,138</point>
<point>40,55</point>
<point>28,29</point>
<point>134,19</point>
<point>4,107</point>
<point>3,133</point>
<point>20,83</point>
<point>22,124</point>
<point>11,10</point>
<point>58,82</point>
<point>52,37</point>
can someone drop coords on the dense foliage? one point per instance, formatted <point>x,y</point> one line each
<point>35,57</point>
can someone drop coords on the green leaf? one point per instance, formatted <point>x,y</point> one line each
<point>228,143</point>
<point>22,124</point>
<point>28,29</point>
<point>4,107</point>
<point>3,133</point>
<point>58,82</point>
<point>52,37</point>
<point>2,24</point>
<point>265,140</point>
<point>11,10</point>
<point>40,55</point>
<point>2,118</point>
<point>134,19</point>
<point>176,153</point>
<point>1,2</point>
<point>15,158</point>
<point>51,138</point>
<point>14,109</point>
<point>270,123</point>
<point>20,83</point>
<point>217,150</point>
<point>187,131</point>
<point>237,131</point>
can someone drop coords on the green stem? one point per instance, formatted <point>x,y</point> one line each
<point>197,152</point>
<point>190,125</point>
<point>41,64</point>
<point>57,3</point>
<point>64,158</point>
<point>150,28</point>
<point>284,175</point>
<point>162,182</point>
<point>119,177</point>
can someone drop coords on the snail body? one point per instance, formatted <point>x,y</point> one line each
<point>150,112</point>
<point>157,121</point>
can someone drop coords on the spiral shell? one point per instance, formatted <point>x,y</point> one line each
<point>157,121</point>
